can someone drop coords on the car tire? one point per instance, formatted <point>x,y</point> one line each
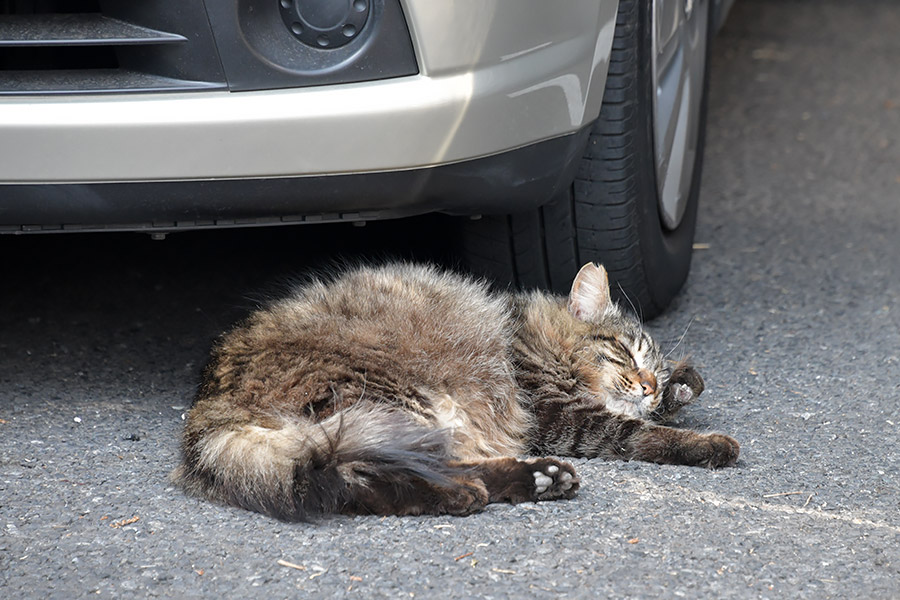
<point>613,212</point>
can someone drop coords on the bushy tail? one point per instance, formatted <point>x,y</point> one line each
<point>302,468</point>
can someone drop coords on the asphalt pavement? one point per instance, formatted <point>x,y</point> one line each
<point>792,313</point>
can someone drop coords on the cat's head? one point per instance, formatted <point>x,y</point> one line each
<point>622,364</point>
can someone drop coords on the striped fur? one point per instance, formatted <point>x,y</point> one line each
<point>404,390</point>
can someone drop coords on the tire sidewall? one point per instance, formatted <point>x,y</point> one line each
<point>666,254</point>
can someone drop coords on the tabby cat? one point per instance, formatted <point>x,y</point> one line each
<point>406,390</point>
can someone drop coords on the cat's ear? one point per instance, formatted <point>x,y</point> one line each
<point>589,297</point>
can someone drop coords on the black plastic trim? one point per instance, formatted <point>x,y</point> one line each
<point>60,47</point>
<point>86,29</point>
<point>97,81</point>
<point>174,45</point>
<point>519,179</point>
<point>325,24</point>
<point>259,51</point>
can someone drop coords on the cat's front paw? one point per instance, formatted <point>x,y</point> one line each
<point>723,451</point>
<point>676,397</point>
<point>684,386</point>
<point>682,395</point>
<point>553,479</point>
<point>685,375</point>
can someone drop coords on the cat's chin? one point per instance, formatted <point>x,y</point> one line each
<point>638,407</point>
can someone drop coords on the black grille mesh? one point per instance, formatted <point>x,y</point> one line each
<point>65,46</point>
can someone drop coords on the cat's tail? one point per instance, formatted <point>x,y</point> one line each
<point>356,460</point>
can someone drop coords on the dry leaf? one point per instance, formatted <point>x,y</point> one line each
<point>124,522</point>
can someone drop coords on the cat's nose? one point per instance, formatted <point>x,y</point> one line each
<point>647,381</point>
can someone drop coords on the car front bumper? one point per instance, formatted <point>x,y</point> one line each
<point>495,75</point>
<point>519,179</point>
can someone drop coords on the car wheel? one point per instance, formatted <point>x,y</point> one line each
<point>633,203</point>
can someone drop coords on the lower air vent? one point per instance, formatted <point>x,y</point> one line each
<point>116,46</point>
<point>68,46</point>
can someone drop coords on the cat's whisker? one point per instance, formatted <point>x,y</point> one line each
<point>681,339</point>
<point>637,310</point>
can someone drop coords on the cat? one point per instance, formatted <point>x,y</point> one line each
<point>403,389</point>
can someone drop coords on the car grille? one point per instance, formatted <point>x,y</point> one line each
<point>103,46</point>
<point>88,46</point>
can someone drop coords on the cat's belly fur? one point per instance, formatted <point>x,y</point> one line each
<point>466,421</point>
<point>436,350</point>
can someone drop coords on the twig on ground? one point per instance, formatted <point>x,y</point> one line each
<point>291,565</point>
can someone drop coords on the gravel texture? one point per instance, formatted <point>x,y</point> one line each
<point>792,312</point>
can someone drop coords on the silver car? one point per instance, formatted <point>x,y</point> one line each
<point>561,131</point>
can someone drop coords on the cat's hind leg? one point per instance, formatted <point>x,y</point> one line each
<point>536,479</point>
<point>368,458</point>
<point>473,485</point>
<point>460,495</point>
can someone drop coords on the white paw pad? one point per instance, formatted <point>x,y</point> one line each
<point>541,482</point>
<point>683,394</point>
